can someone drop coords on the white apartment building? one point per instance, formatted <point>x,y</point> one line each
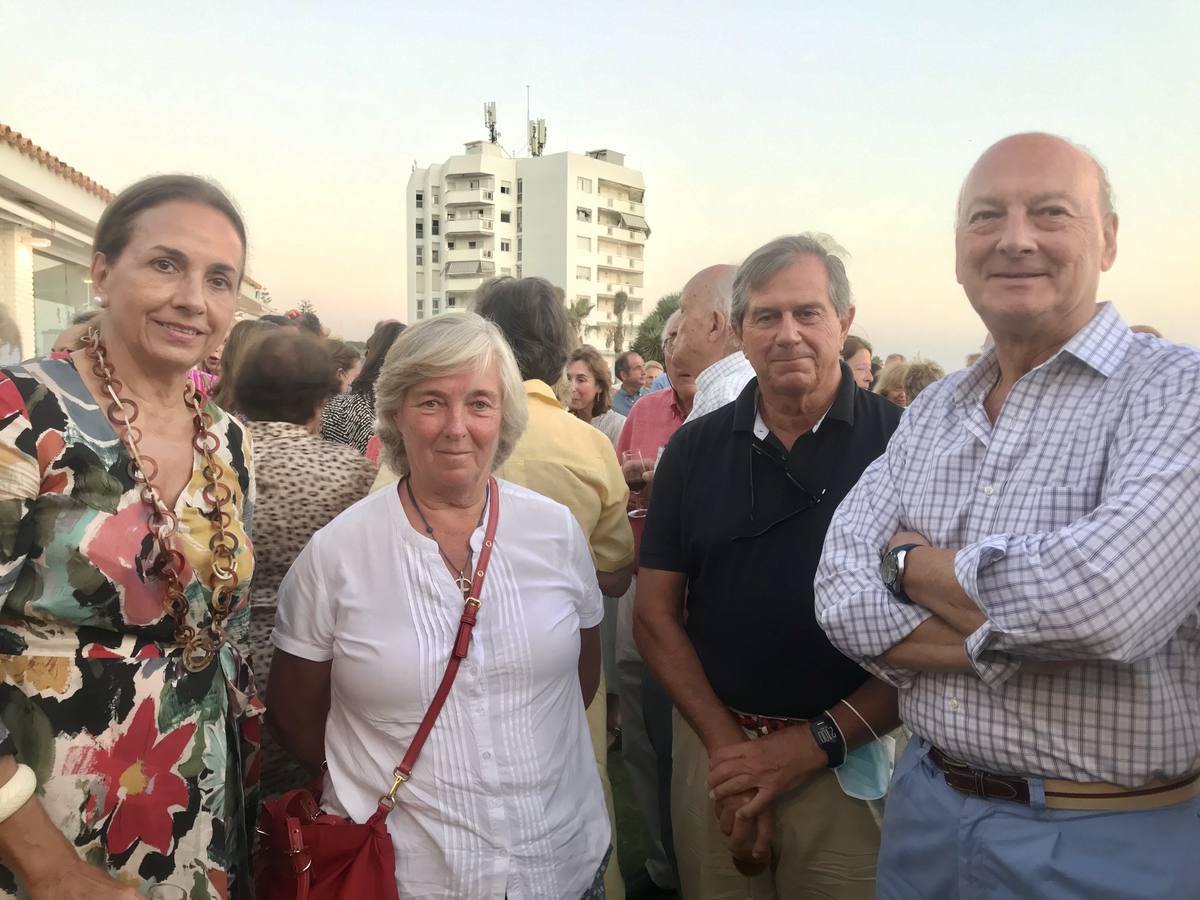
<point>48,214</point>
<point>577,220</point>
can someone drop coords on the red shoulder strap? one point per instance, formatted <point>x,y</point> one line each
<point>457,653</point>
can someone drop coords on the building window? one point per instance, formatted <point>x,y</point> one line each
<point>420,229</point>
<point>520,248</point>
<point>420,255</point>
<point>451,301</point>
<point>583,273</point>
<point>433,254</point>
<point>504,246</point>
<point>437,305</point>
<point>434,226</point>
<point>584,184</point>
<point>506,187</point>
<point>420,305</point>
<point>583,214</point>
<point>471,244</point>
<point>520,219</point>
<point>420,200</point>
<point>420,315</point>
<point>518,271</point>
<point>474,184</point>
<point>449,245</point>
<point>505,217</point>
<point>520,189</point>
<point>437,196</point>
<point>583,243</point>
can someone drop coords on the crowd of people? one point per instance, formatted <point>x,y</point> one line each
<point>858,627</point>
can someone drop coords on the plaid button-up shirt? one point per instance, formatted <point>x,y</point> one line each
<point>1076,518</point>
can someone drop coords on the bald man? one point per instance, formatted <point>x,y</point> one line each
<point>1038,600</point>
<point>707,348</point>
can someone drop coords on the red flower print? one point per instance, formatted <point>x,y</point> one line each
<point>139,788</point>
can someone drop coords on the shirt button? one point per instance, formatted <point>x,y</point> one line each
<point>487,755</point>
<point>988,490</point>
<point>953,704</point>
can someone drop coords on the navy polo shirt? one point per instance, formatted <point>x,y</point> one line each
<point>745,520</point>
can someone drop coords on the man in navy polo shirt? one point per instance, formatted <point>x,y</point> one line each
<point>765,705</point>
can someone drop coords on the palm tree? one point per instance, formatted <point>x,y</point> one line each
<point>647,343</point>
<point>577,314</point>
<point>620,301</point>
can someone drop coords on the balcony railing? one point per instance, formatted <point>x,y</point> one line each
<point>624,235</point>
<point>468,226</point>
<point>623,263</point>
<point>620,205</point>
<point>610,289</point>
<point>477,197</point>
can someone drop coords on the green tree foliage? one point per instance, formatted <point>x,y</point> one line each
<point>577,313</point>
<point>647,344</point>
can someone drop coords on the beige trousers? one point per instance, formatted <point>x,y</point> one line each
<point>597,716</point>
<point>826,843</point>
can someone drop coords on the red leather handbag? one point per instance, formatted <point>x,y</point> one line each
<point>304,854</point>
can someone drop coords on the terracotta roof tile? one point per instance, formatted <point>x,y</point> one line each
<point>26,147</point>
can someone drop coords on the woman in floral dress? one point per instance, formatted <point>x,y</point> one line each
<point>125,502</point>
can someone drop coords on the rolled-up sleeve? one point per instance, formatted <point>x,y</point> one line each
<point>306,618</point>
<point>1118,582</point>
<point>856,611</point>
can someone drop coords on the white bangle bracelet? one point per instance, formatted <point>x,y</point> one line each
<point>861,719</point>
<point>16,792</point>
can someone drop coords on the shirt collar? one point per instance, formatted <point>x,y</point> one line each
<point>1101,345</point>
<point>746,416</point>
<point>1103,342</point>
<point>722,367</point>
<point>536,389</point>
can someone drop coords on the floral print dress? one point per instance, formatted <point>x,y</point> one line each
<point>149,770</point>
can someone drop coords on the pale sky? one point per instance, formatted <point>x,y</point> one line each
<point>749,120</point>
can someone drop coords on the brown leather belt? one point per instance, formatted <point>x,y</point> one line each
<point>1061,794</point>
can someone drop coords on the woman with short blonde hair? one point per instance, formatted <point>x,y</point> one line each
<point>379,591</point>
<point>891,384</point>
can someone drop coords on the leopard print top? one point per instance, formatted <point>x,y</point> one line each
<point>303,483</point>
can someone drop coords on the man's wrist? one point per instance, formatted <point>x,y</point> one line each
<point>827,735</point>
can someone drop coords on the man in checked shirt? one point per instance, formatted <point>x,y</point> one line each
<point>1037,601</point>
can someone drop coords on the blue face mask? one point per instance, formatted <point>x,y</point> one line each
<point>867,770</point>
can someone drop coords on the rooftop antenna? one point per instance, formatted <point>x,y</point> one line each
<point>537,137</point>
<point>489,121</point>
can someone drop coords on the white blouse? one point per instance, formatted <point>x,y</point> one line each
<point>505,799</point>
<point>611,423</point>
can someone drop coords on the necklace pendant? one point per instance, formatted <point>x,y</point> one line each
<point>464,584</point>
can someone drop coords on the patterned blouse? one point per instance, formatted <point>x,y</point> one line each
<point>303,483</point>
<point>350,419</point>
<point>149,770</point>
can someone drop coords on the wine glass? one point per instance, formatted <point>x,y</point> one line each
<point>634,467</point>
<point>167,892</point>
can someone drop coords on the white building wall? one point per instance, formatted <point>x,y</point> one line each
<point>16,287</point>
<point>542,236</point>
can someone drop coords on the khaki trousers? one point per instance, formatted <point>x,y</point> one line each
<point>825,846</point>
<point>597,716</point>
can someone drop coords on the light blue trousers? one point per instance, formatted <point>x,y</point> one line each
<point>939,844</point>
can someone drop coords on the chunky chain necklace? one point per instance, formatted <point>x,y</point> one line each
<point>199,645</point>
<point>463,582</point>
